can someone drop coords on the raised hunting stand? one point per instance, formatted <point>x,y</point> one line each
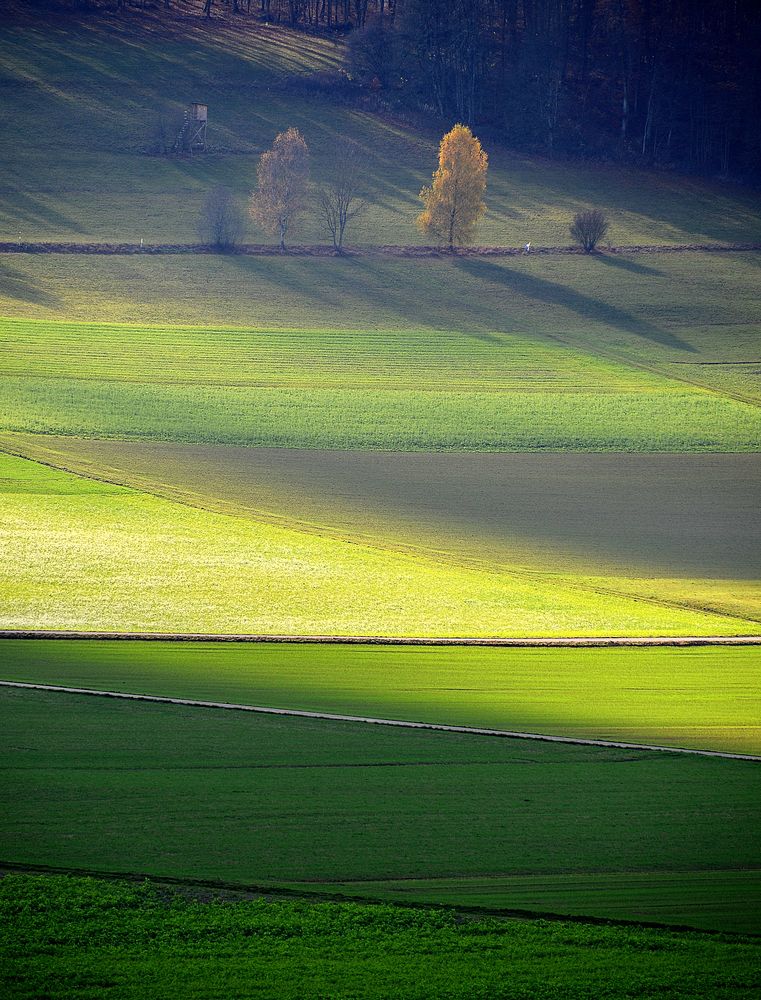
<point>192,136</point>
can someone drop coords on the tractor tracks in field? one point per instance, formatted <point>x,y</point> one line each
<point>371,720</point>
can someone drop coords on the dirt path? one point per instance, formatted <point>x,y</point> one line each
<point>369,720</point>
<point>379,640</point>
<point>390,251</point>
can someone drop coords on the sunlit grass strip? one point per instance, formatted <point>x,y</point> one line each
<point>675,420</point>
<point>117,560</point>
<point>704,698</point>
<point>172,355</point>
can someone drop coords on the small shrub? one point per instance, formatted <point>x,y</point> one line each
<point>589,227</point>
<point>222,222</point>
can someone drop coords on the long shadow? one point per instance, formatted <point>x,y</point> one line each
<point>14,285</point>
<point>627,264</point>
<point>24,208</point>
<point>561,295</point>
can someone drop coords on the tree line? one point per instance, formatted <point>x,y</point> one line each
<point>453,204</point>
<point>660,82</point>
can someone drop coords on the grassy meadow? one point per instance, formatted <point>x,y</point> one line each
<point>689,518</point>
<point>352,951</point>
<point>86,555</point>
<point>701,697</point>
<point>384,391</point>
<point>693,318</point>
<point>117,787</point>
<point>461,446</point>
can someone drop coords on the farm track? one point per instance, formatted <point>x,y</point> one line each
<point>388,250</point>
<point>369,720</point>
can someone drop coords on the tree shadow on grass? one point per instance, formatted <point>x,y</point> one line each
<point>533,287</point>
<point>17,286</point>
<point>627,264</point>
<point>23,209</point>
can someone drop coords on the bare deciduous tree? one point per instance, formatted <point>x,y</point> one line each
<point>340,196</point>
<point>222,222</point>
<point>589,227</point>
<point>282,177</point>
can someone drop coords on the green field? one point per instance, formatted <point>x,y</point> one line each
<point>125,787</point>
<point>690,520</point>
<point>81,554</point>
<point>702,697</point>
<point>343,390</point>
<point>113,936</point>
<point>692,317</point>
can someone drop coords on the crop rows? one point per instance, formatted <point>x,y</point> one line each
<point>141,788</point>
<point>308,358</point>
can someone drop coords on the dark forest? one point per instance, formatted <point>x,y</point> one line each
<point>673,84</point>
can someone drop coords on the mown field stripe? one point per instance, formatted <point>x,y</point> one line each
<point>369,720</point>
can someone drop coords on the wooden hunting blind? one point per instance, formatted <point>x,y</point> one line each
<point>192,135</point>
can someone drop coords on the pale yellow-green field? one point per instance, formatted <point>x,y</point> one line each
<point>85,555</point>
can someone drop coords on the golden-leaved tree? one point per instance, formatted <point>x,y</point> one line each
<point>454,203</point>
<point>281,193</point>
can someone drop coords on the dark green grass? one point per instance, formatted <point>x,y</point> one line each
<point>125,787</point>
<point>67,938</point>
<point>702,697</point>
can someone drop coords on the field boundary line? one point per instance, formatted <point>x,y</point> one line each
<point>370,720</point>
<point>196,501</point>
<point>295,890</point>
<point>529,642</point>
<point>370,250</point>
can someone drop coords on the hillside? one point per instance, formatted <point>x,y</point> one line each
<point>95,90</point>
<point>282,451</point>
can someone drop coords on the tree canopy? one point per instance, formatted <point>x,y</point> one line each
<point>453,204</point>
<point>282,176</point>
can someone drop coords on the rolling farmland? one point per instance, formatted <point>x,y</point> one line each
<point>140,788</point>
<point>701,697</point>
<point>351,950</point>
<point>376,444</point>
<point>102,86</point>
<point>691,525</point>
<point>81,554</point>
<point>310,389</point>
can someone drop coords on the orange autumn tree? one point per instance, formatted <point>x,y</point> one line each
<point>454,202</point>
